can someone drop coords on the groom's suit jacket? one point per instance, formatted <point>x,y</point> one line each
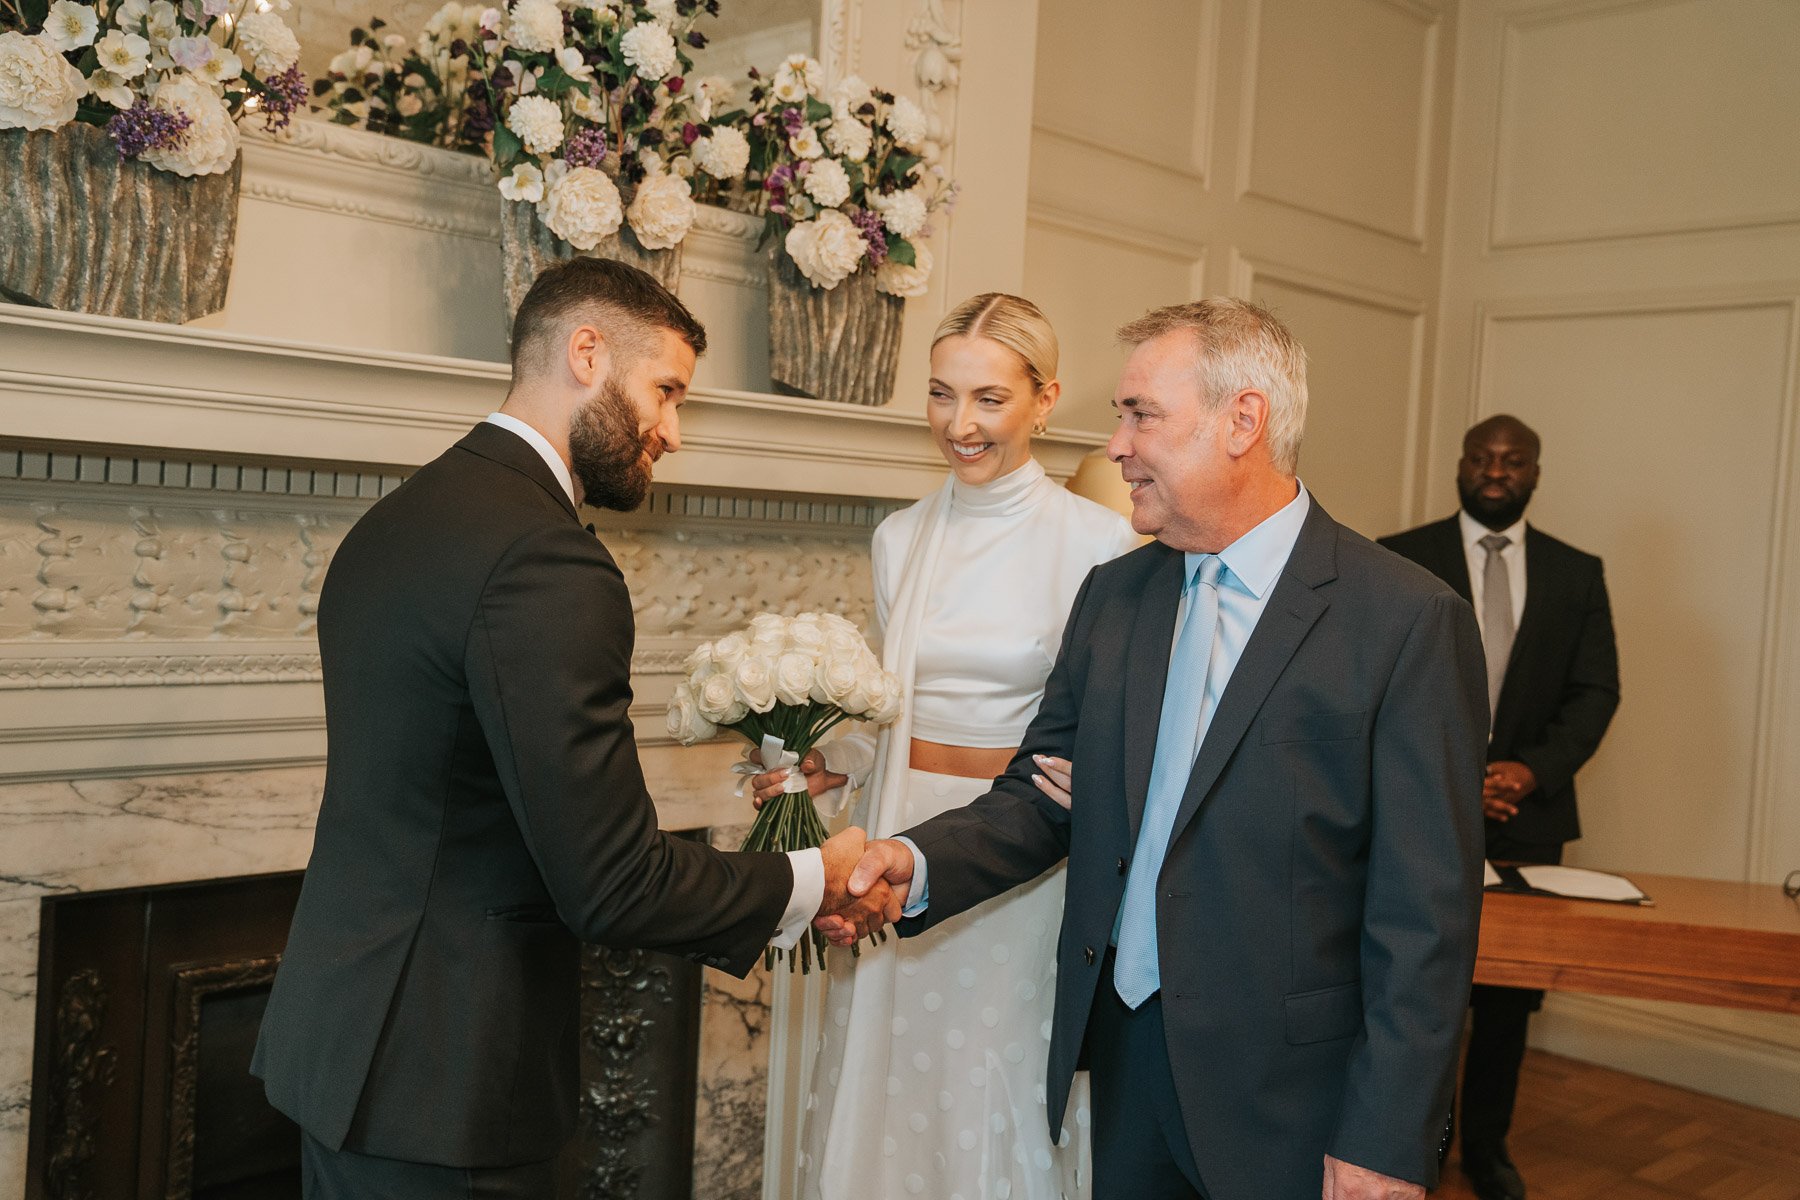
<point>484,813</point>
<point>1317,909</point>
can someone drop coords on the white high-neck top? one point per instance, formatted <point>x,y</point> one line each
<point>1015,552</point>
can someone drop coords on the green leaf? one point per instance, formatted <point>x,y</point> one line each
<point>901,251</point>
<point>898,166</point>
<point>816,109</point>
<point>506,146</point>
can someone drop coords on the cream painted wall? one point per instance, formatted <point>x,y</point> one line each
<point>1622,270</point>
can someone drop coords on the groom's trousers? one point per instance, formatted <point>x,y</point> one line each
<point>327,1174</point>
<point>1141,1149</point>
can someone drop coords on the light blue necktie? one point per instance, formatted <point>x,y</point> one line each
<point>1136,972</point>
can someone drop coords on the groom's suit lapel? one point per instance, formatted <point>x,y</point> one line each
<point>1292,611</point>
<point>507,448</point>
<point>1147,674</point>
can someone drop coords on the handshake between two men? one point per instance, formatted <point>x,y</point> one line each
<point>866,886</point>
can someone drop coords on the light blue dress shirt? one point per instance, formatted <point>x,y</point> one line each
<point>1252,566</point>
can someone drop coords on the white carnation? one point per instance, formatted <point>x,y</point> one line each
<point>271,45</point>
<point>827,250</point>
<point>902,212</point>
<point>906,121</point>
<point>650,49</point>
<point>828,183</point>
<point>38,87</point>
<point>583,207</point>
<point>849,138</point>
<point>535,25</point>
<point>662,212</point>
<point>756,684</point>
<point>898,279</point>
<point>211,144</point>
<point>123,56</point>
<point>70,26</point>
<point>538,121</point>
<point>525,183</point>
<point>723,155</point>
<point>794,678</point>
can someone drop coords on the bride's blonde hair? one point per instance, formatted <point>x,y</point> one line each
<point>1012,321</point>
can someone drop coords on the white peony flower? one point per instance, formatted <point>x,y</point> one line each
<point>266,38</point>
<point>122,55</point>
<point>898,279</point>
<point>849,138</point>
<point>538,121</point>
<point>756,684</point>
<point>723,155</point>
<point>104,85</point>
<point>221,67</point>
<point>902,212</point>
<point>794,678</point>
<point>535,25</point>
<point>662,212</point>
<point>650,49</point>
<point>827,182</point>
<point>906,121</point>
<point>525,183</point>
<point>70,26</point>
<point>827,250</point>
<point>806,143</point>
<point>211,144</point>
<point>38,87</point>
<point>582,208</point>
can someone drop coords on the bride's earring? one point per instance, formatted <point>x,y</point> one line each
<point>1039,428</point>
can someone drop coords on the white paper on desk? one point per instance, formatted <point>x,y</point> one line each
<point>1578,884</point>
<point>1489,876</point>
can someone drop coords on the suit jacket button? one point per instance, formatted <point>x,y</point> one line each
<point>1121,866</point>
<point>1087,952</point>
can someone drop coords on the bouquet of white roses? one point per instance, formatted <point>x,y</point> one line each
<point>782,684</point>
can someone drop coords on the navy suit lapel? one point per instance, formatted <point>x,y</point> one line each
<point>1292,611</point>
<point>1147,674</point>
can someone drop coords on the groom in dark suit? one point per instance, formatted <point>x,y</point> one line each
<point>1274,847</point>
<point>1553,685</point>
<point>484,810</point>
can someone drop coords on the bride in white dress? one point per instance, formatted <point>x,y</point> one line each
<point>930,1075</point>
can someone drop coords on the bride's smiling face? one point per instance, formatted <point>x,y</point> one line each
<point>982,407</point>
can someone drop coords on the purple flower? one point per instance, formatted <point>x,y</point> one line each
<point>144,127</point>
<point>870,225</point>
<point>690,133</point>
<point>285,97</point>
<point>191,53</point>
<point>586,149</point>
<point>792,120</point>
<point>675,85</point>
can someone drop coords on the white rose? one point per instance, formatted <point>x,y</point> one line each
<point>662,212</point>
<point>211,144</point>
<point>686,725</point>
<point>849,138</point>
<point>724,155</point>
<point>767,623</point>
<point>827,250</point>
<point>756,684</point>
<point>794,678</point>
<point>903,213</point>
<point>525,183</point>
<point>806,143</point>
<point>699,661</point>
<point>880,694</point>
<point>123,56</point>
<point>104,85</point>
<point>70,26</point>
<point>538,121</point>
<point>271,45</point>
<point>828,183</point>
<point>650,49</point>
<point>807,639</point>
<point>729,650</point>
<point>535,25</point>
<point>898,279</point>
<point>38,87</point>
<point>833,679</point>
<point>906,121</point>
<point>582,207</point>
<point>887,706</point>
<point>717,700</point>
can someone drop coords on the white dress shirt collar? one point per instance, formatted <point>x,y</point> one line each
<point>1255,560</point>
<point>1473,531</point>
<point>541,444</point>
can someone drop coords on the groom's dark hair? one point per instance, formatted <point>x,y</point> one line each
<point>627,306</point>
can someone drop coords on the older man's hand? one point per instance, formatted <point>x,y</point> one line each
<point>878,887</point>
<point>1347,1181</point>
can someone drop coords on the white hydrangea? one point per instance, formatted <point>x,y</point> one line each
<point>849,138</point>
<point>827,250</point>
<point>650,50</point>
<point>211,144</point>
<point>582,207</point>
<point>266,38</point>
<point>38,87</point>
<point>525,183</point>
<point>906,121</point>
<point>902,212</point>
<point>828,183</point>
<point>898,279</point>
<point>70,26</point>
<point>535,25</point>
<point>538,121</point>
<point>724,154</point>
<point>662,212</point>
<point>122,55</point>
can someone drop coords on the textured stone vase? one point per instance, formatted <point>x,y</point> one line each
<point>842,344</point>
<point>85,230</point>
<point>528,247</point>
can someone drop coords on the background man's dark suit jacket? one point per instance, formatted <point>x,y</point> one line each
<point>484,812</point>
<point>1562,683</point>
<point>1321,893</point>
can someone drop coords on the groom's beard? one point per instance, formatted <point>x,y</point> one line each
<point>608,454</point>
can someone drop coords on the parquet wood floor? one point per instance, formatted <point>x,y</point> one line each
<point>1583,1132</point>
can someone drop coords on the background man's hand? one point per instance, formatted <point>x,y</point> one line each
<point>1505,785</point>
<point>878,889</point>
<point>1347,1181</point>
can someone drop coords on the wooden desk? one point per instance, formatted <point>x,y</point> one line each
<point>1703,942</point>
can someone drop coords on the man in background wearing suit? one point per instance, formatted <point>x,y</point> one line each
<point>484,809</point>
<point>1274,845</point>
<point>1553,684</point>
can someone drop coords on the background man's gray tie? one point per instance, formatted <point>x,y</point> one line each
<point>1496,615</point>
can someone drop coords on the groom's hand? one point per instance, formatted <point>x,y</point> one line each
<point>1347,1181</point>
<point>878,889</point>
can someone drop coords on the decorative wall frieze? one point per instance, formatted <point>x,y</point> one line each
<point>936,46</point>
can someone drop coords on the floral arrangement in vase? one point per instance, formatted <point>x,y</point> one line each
<point>416,90</point>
